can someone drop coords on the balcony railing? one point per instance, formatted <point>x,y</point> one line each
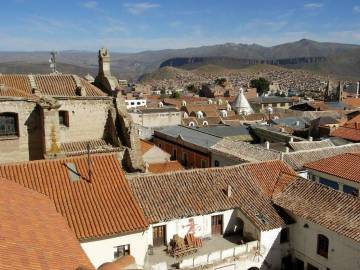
<point>219,256</point>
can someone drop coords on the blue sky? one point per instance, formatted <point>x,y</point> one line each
<point>128,26</point>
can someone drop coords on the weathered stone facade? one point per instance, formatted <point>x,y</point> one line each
<point>50,110</point>
<point>27,145</point>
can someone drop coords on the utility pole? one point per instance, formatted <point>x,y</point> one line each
<point>89,162</point>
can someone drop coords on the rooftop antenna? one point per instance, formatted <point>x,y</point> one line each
<point>52,61</point>
<point>89,162</point>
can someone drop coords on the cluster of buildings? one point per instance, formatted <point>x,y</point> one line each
<point>90,181</point>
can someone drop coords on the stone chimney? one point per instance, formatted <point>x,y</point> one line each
<point>104,62</point>
<point>228,191</point>
<point>104,79</point>
<point>267,145</point>
<point>310,139</point>
<point>291,139</point>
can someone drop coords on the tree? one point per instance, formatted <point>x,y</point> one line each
<point>261,85</point>
<point>221,82</point>
<point>191,88</point>
<point>175,95</point>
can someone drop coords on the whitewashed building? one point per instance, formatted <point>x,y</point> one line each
<point>241,104</point>
<point>134,103</point>
<point>224,207</point>
<point>324,232</point>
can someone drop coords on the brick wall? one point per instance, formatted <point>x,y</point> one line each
<point>194,158</point>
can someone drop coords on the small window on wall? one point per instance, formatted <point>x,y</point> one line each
<point>64,118</point>
<point>322,245</point>
<point>217,163</point>
<point>8,124</point>
<point>351,190</point>
<point>121,251</point>
<point>329,183</point>
<point>284,235</point>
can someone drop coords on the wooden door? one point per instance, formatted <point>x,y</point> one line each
<point>216,224</point>
<point>159,236</point>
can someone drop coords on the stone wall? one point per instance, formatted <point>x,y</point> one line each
<point>28,144</point>
<point>87,119</point>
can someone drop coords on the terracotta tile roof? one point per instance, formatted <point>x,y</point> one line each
<point>298,159</point>
<point>209,110</point>
<point>348,133</point>
<point>334,210</point>
<point>33,234</point>
<point>271,176</point>
<point>163,167</point>
<point>70,149</point>
<point>125,262</point>
<point>9,91</point>
<point>145,146</point>
<point>17,81</point>
<point>353,123</point>
<point>307,145</point>
<point>59,85</point>
<point>64,85</point>
<point>187,121</point>
<point>202,191</point>
<point>92,209</point>
<point>352,102</point>
<point>346,166</point>
<point>242,151</point>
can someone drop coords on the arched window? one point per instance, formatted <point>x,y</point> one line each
<point>9,124</point>
<point>322,245</point>
<point>205,123</point>
<point>191,124</point>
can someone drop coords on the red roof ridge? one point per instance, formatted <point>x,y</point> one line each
<point>57,159</point>
<point>214,168</point>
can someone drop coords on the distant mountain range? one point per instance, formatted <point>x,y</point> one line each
<point>328,58</point>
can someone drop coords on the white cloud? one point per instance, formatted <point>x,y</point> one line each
<point>90,4</point>
<point>313,5</point>
<point>140,8</point>
<point>356,9</point>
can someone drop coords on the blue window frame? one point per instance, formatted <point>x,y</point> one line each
<point>329,183</point>
<point>351,190</point>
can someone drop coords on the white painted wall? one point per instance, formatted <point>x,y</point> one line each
<point>101,251</point>
<point>344,253</point>
<point>133,103</point>
<point>271,250</point>
<point>156,119</point>
<point>156,155</point>
<point>203,225</point>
